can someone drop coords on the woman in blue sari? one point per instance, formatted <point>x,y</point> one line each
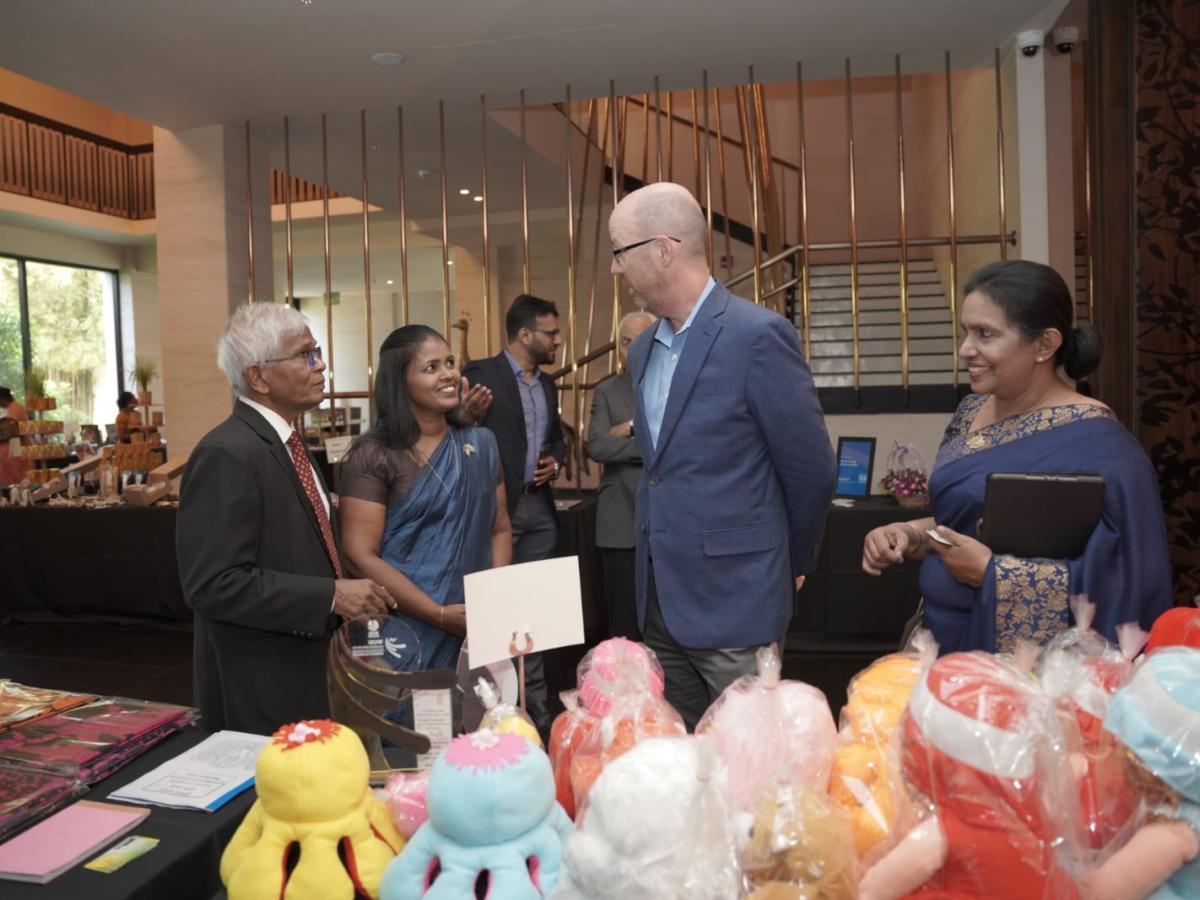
<point>1023,416</point>
<point>422,500</point>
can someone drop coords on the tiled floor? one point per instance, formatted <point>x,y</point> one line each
<point>148,661</point>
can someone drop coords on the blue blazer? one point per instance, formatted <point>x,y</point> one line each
<point>732,502</point>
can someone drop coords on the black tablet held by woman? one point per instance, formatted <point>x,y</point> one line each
<point>1041,516</point>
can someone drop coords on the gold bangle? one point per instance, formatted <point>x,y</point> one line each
<point>918,538</point>
<point>442,619</point>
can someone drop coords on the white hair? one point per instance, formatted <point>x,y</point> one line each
<point>636,314</point>
<point>255,333</point>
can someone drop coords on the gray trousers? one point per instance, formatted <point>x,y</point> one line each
<point>694,678</point>
<point>535,536</point>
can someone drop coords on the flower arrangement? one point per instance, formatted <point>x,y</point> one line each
<point>907,482</point>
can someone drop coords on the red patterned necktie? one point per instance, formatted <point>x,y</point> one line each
<point>305,472</point>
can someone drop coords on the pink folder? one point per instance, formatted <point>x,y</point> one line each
<point>68,837</point>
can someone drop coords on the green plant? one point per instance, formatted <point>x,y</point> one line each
<point>144,371</point>
<point>35,382</point>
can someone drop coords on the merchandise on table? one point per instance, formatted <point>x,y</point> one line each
<point>27,796</point>
<point>20,703</point>
<point>65,839</point>
<point>92,741</point>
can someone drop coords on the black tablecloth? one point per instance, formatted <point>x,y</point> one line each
<point>113,563</point>
<point>184,865</point>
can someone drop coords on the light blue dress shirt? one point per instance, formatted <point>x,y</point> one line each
<point>537,417</point>
<point>660,367</point>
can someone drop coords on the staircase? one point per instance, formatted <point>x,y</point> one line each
<point>930,334</point>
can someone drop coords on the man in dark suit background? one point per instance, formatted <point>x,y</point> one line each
<point>610,441</point>
<point>256,537</point>
<point>738,471</point>
<point>524,417</point>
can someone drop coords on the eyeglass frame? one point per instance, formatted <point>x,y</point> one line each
<point>313,356</point>
<point>553,332</point>
<point>620,250</point>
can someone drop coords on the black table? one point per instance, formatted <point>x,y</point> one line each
<point>184,866</point>
<point>115,563</point>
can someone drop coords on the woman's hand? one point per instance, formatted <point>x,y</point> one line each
<point>453,619</point>
<point>890,545</point>
<point>475,400</point>
<point>966,559</point>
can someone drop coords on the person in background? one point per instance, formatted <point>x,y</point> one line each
<point>738,471</point>
<point>1023,416</point>
<point>422,499</point>
<point>524,418</point>
<point>256,537</point>
<point>128,418</point>
<point>610,441</point>
<point>12,468</point>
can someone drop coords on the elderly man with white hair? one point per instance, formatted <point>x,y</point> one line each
<point>738,470</point>
<point>257,537</point>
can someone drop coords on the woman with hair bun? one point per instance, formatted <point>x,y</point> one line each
<point>1024,416</point>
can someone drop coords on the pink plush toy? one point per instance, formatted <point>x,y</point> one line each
<point>405,792</point>
<point>767,731</point>
<point>973,745</point>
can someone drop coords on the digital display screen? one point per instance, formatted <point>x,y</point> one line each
<point>856,457</point>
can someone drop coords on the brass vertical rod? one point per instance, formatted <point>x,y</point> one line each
<point>708,211</point>
<point>670,135</point>
<point>287,211</point>
<point>765,180</point>
<point>587,348</point>
<point>249,215</point>
<point>526,276</point>
<point>953,226</point>
<point>329,358</point>
<point>366,236</point>
<point>1087,202</point>
<point>646,138</point>
<point>576,394</point>
<point>1000,154</point>
<point>696,145</point>
<point>614,360</point>
<point>487,259</point>
<point>403,219</point>
<point>903,225</point>
<point>724,184</point>
<point>587,155</point>
<point>445,222</point>
<point>657,132</point>
<point>616,198</point>
<point>853,225</point>
<point>751,166</point>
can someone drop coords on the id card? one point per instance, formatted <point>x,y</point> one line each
<point>121,853</point>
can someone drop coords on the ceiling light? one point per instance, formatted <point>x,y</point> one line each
<point>387,59</point>
<point>477,198</point>
<point>450,263</point>
<point>391,281</point>
<point>464,191</point>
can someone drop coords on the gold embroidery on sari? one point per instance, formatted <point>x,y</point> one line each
<point>960,441</point>
<point>1031,600</point>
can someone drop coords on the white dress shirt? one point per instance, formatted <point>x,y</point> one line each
<point>284,430</point>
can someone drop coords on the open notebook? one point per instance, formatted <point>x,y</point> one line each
<point>68,837</point>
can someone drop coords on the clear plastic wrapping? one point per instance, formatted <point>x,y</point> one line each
<point>657,827</point>
<point>501,717</point>
<point>770,731</point>
<point>404,795</point>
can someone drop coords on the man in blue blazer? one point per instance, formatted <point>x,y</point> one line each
<point>739,469</point>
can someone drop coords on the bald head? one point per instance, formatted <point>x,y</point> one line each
<point>665,208</point>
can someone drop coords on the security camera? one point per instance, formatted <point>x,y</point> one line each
<point>1031,41</point>
<point>1064,39</point>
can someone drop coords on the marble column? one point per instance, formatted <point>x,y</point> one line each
<point>203,265</point>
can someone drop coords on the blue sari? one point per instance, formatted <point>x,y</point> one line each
<point>438,532</point>
<point>1125,569</point>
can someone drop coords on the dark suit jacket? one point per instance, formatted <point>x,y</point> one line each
<point>733,499</point>
<point>612,403</point>
<point>256,574</point>
<point>506,419</point>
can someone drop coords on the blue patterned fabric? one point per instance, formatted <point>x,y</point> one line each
<point>1125,569</point>
<point>440,531</point>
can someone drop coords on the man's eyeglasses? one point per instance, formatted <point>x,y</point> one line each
<point>312,357</point>
<point>552,332</point>
<point>619,250</point>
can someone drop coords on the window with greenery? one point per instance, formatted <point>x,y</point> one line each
<point>65,332</point>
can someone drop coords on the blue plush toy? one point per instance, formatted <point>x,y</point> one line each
<point>494,828</point>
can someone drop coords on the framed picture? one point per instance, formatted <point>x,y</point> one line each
<point>855,465</point>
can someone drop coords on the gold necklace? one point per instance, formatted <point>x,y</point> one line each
<point>423,462</point>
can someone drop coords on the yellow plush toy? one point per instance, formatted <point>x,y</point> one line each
<point>314,803</point>
<point>864,783</point>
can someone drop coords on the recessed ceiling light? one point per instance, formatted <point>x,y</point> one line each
<point>387,59</point>
<point>391,281</point>
<point>464,191</point>
<point>450,263</point>
<point>477,198</point>
<point>376,146</point>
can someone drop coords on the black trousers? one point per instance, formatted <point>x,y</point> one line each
<point>620,592</point>
<point>535,537</point>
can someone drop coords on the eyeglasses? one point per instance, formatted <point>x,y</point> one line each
<point>312,357</point>
<point>619,250</point>
<point>553,332</point>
